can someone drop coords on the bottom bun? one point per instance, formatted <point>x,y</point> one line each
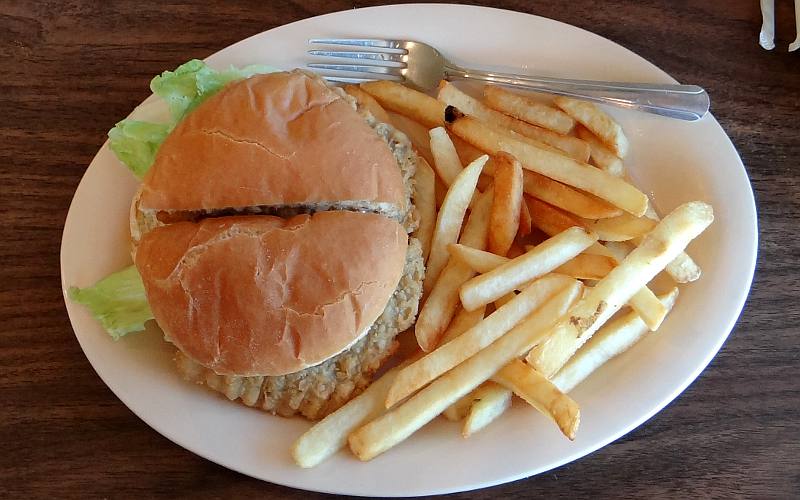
<point>319,390</point>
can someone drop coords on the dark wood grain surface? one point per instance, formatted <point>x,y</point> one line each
<point>69,70</point>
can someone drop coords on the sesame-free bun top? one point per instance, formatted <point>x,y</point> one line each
<point>262,295</point>
<point>276,139</point>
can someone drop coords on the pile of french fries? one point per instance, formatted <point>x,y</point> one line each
<point>539,253</point>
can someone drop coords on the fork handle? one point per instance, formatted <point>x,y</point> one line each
<point>685,102</point>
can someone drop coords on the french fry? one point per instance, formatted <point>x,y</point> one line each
<point>441,304</point>
<point>527,109</point>
<point>468,153</point>
<point>616,337</point>
<point>540,393</point>
<point>657,249</point>
<point>458,410</point>
<point>449,355</point>
<point>583,266</point>
<point>425,202</point>
<point>571,146</point>
<point>525,224</point>
<point>368,102</point>
<point>601,156</point>
<point>329,435</point>
<point>539,261</point>
<point>548,218</point>
<point>644,301</point>
<point>478,260</point>
<point>440,191</point>
<point>398,424</point>
<point>414,104</point>
<point>624,227</point>
<point>504,218</point>
<point>445,157</point>
<point>462,321</point>
<point>450,218</point>
<point>416,133</point>
<point>515,251</point>
<point>683,269</point>
<point>587,267</point>
<point>567,198</point>
<point>489,402</point>
<point>597,121</point>
<point>505,299</point>
<point>561,168</point>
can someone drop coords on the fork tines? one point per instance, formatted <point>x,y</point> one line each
<point>385,61</point>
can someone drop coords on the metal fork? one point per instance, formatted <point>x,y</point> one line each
<point>421,66</point>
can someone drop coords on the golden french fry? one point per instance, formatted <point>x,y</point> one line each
<point>587,266</point>
<point>540,393</point>
<point>478,260</point>
<point>657,249</point>
<point>489,402</point>
<point>398,424</point>
<point>449,355</point>
<point>462,321</point>
<point>505,299</point>
<point>624,227</point>
<point>368,102</point>
<point>583,266</point>
<point>401,99</point>
<point>683,269</point>
<point>460,408</point>
<point>597,121</point>
<point>329,435</point>
<point>445,157</point>
<point>525,224</point>
<point>559,167</point>
<point>571,146</point>
<point>567,198</point>
<point>450,218</point>
<point>425,203</point>
<point>548,218</point>
<point>644,301</point>
<point>504,218</point>
<point>441,304</point>
<point>616,337</point>
<point>528,109</point>
<point>601,156</point>
<point>539,261</point>
<point>416,133</point>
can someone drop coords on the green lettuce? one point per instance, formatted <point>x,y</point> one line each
<point>118,302</point>
<point>193,82</point>
<point>136,142</point>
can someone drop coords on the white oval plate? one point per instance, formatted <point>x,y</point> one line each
<point>676,161</point>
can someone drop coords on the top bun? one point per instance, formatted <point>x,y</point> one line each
<point>261,295</point>
<point>276,139</point>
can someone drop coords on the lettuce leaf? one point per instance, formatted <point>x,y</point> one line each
<point>193,82</point>
<point>118,302</point>
<point>136,142</point>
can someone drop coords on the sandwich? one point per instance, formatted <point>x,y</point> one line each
<point>272,238</point>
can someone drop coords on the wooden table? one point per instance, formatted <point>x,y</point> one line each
<point>70,69</point>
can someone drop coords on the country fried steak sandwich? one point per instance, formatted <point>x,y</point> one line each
<point>272,237</point>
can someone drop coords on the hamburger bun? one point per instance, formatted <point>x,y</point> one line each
<point>262,295</point>
<point>278,139</point>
